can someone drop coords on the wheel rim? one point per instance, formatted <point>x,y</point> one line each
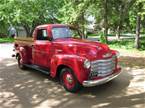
<point>68,80</point>
<point>20,61</point>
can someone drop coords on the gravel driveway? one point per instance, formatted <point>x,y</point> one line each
<point>32,89</point>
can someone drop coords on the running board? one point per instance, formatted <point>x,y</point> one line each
<point>43,70</point>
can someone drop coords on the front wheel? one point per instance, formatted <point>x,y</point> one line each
<point>69,81</point>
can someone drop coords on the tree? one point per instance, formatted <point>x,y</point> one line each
<point>73,12</point>
<point>117,15</point>
<point>29,13</point>
<point>138,20</point>
<point>140,7</point>
<point>105,16</point>
<point>120,12</point>
<point>100,10</point>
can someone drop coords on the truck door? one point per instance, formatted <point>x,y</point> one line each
<point>41,49</point>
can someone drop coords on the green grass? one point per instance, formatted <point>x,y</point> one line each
<point>6,40</point>
<point>112,35</point>
<point>127,44</point>
<point>93,35</point>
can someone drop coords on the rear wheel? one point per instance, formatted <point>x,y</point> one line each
<point>69,81</point>
<point>20,62</point>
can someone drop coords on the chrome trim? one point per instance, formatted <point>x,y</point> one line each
<point>107,55</point>
<point>91,83</point>
<point>102,67</point>
<point>104,71</point>
<point>105,64</point>
<point>104,60</point>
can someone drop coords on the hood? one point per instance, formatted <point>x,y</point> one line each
<point>89,49</point>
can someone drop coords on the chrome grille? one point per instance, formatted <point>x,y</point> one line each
<point>102,67</point>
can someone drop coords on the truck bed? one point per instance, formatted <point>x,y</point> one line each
<point>27,44</point>
<point>24,41</point>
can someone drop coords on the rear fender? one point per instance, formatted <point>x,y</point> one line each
<point>22,52</point>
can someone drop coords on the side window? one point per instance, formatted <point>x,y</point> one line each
<point>42,34</point>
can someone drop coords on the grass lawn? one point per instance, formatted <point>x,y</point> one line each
<point>127,44</point>
<point>6,40</point>
<point>126,47</point>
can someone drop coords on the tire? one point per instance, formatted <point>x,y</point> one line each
<point>20,63</point>
<point>69,81</point>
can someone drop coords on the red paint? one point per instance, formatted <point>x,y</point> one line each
<point>68,52</point>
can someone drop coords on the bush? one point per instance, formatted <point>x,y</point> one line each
<point>6,40</point>
<point>2,35</point>
<point>102,37</point>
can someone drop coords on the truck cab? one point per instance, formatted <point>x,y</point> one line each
<point>59,51</point>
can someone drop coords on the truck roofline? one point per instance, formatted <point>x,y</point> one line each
<point>51,25</point>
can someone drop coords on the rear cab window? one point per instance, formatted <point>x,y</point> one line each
<point>42,34</point>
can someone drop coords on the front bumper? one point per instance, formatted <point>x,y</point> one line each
<point>90,83</point>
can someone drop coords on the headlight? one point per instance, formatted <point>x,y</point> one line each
<point>117,54</point>
<point>87,64</point>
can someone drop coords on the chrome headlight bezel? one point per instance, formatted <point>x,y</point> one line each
<point>87,64</point>
<point>117,54</point>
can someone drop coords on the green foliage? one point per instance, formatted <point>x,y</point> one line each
<point>120,15</point>
<point>126,44</point>
<point>73,10</point>
<point>102,37</point>
<point>29,13</point>
<point>6,40</point>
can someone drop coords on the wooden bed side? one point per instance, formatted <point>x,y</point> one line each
<point>24,41</point>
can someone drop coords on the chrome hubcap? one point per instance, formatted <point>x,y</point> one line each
<point>69,78</point>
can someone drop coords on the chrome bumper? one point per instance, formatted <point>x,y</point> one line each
<point>90,83</point>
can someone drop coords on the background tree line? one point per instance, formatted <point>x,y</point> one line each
<point>118,15</point>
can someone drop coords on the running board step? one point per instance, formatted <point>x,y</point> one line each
<point>43,70</point>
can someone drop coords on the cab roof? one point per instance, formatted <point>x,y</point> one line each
<point>51,25</point>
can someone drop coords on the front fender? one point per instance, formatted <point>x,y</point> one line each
<point>72,61</point>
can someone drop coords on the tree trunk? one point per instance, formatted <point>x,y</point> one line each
<point>27,29</point>
<point>105,21</point>
<point>137,45</point>
<point>118,33</point>
<point>121,18</point>
<point>124,9</point>
<point>31,33</point>
<point>83,26</point>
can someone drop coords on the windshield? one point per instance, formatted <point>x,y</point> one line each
<point>64,32</point>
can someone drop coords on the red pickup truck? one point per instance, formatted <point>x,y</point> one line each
<point>56,49</point>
